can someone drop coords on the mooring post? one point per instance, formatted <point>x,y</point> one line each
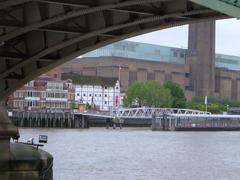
<point>108,120</point>
<point>7,130</point>
<point>83,122</point>
<point>154,121</point>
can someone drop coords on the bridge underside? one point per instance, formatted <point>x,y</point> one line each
<point>38,35</point>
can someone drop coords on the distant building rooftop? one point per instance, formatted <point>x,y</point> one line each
<point>144,51</point>
<point>89,80</point>
<point>135,50</point>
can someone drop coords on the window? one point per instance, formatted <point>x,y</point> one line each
<point>105,102</point>
<point>15,104</point>
<point>105,87</point>
<point>95,95</point>
<point>77,94</point>
<point>182,55</point>
<point>187,75</point>
<point>157,51</point>
<point>29,94</point>
<point>43,95</point>
<point>84,94</point>
<point>30,103</point>
<point>188,88</point>
<point>15,94</point>
<point>90,95</point>
<point>175,54</point>
<point>105,95</point>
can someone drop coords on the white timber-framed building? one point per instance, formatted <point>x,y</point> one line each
<point>100,93</point>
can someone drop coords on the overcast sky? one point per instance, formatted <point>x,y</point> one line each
<point>227,37</point>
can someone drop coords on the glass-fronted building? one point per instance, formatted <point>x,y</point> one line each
<point>141,51</point>
<point>150,52</point>
<point>227,62</point>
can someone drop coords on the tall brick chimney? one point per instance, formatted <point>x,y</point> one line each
<point>201,57</point>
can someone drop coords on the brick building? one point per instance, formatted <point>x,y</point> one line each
<point>198,69</point>
<point>43,94</point>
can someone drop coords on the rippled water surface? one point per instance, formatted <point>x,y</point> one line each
<point>131,153</point>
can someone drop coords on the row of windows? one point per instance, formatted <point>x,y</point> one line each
<point>18,94</point>
<point>90,95</point>
<point>22,94</point>
<point>178,53</point>
<point>98,87</point>
<point>56,95</point>
<point>21,104</point>
<point>55,85</point>
<point>50,85</point>
<point>40,104</point>
<point>42,94</point>
<point>34,94</point>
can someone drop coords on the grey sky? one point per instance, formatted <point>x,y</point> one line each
<point>227,37</point>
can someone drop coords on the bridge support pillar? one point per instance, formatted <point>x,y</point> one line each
<point>7,130</point>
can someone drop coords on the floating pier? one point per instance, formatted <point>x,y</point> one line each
<point>196,122</point>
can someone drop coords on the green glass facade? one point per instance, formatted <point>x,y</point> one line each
<point>227,62</point>
<point>141,51</point>
<point>150,52</point>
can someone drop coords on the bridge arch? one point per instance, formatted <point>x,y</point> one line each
<point>38,35</point>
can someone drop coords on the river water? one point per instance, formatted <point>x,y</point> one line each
<point>141,154</point>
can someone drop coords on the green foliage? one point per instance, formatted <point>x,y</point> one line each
<point>157,95</point>
<point>215,104</point>
<point>179,99</point>
<point>88,106</point>
<point>136,94</point>
<point>196,105</point>
<point>74,106</point>
<point>151,94</point>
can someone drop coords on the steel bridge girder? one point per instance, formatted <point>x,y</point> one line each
<point>38,35</point>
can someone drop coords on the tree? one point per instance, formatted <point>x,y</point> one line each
<point>179,99</point>
<point>136,94</point>
<point>151,94</point>
<point>196,105</point>
<point>215,104</point>
<point>157,95</point>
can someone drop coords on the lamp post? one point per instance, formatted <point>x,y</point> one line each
<point>205,102</point>
<point>119,79</point>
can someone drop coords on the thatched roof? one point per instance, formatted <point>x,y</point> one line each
<point>89,80</point>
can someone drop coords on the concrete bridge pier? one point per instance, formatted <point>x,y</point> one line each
<point>7,130</point>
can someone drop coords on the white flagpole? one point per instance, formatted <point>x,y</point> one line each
<point>206,102</point>
<point>119,78</point>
